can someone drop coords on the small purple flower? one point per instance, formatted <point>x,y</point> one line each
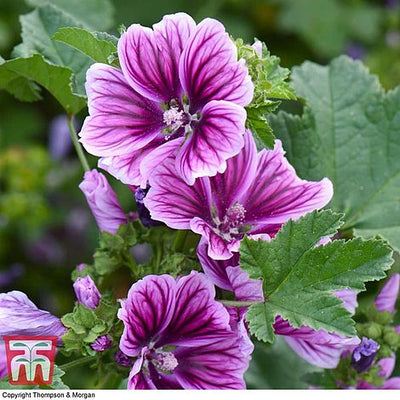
<point>86,292</point>
<point>143,212</point>
<point>181,336</point>
<point>363,355</point>
<point>180,89</point>
<point>122,359</point>
<point>102,343</point>
<point>102,201</point>
<point>255,195</point>
<point>19,316</point>
<point>387,297</point>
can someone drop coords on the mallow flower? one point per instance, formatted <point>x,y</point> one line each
<point>181,336</point>
<point>103,201</point>
<point>255,195</point>
<point>19,316</point>
<point>319,348</point>
<point>180,88</point>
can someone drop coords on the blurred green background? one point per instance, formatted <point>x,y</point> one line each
<point>46,228</point>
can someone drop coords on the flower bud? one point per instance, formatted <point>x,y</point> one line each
<point>122,359</point>
<point>86,292</point>
<point>101,343</point>
<point>373,330</point>
<point>363,355</point>
<point>102,201</point>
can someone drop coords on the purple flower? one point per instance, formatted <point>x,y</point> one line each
<point>181,89</point>
<point>86,292</point>
<point>181,336</point>
<point>319,348</point>
<point>387,297</point>
<point>102,201</point>
<point>255,195</point>
<point>102,343</point>
<point>122,359</point>
<point>19,316</point>
<point>363,355</point>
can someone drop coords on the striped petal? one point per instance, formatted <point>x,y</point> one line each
<point>150,58</point>
<point>209,69</point>
<point>217,137</point>
<point>146,312</point>
<point>277,194</point>
<point>120,120</point>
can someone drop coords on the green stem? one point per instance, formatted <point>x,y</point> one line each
<point>77,145</point>
<point>233,303</point>
<point>80,361</point>
<point>179,241</point>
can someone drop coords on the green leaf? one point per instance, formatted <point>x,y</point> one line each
<point>38,27</point>
<point>299,277</point>
<point>91,14</point>
<point>88,43</point>
<point>349,132</point>
<point>20,87</point>
<point>258,124</point>
<point>56,79</point>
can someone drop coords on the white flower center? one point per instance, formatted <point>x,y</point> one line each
<point>165,361</point>
<point>173,118</point>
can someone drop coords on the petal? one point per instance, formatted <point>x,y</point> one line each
<point>103,201</point>
<point>121,120</point>
<point>387,366</point>
<point>163,381</point>
<point>198,318</point>
<point>349,298</point>
<point>126,168</point>
<point>217,137</point>
<point>137,380</point>
<point>230,186</point>
<point>154,158</point>
<point>387,297</point>
<point>146,312</point>
<point>218,248</point>
<point>209,69</point>
<point>172,201</point>
<point>218,365</point>
<point>150,59</point>
<point>19,316</point>
<point>277,194</point>
<point>216,269</point>
<point>390,384</point>
<point>316,347</point>
<point>245,289</point>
